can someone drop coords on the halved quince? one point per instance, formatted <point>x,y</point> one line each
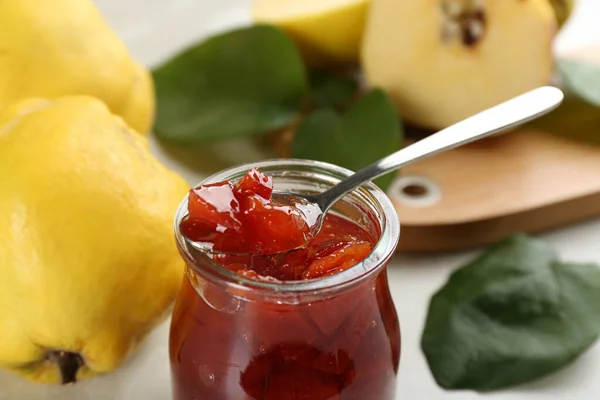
<point>444,60</point>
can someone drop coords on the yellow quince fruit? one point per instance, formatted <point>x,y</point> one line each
<point>328,32</point>
<point>88,263</point>
<point>64,47</point>
<point>443,61</point>
<point>563,10</point>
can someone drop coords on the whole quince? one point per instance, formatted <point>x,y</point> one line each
<point>64,47</point>
<point>563,10</point>
<point>88,263</point>
<point>328,32</point>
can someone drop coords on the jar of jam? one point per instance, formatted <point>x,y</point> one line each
<point>309,324</point>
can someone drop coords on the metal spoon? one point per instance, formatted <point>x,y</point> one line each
<point>509,114</point>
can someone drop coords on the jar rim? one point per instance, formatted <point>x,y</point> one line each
<point>381,252</point>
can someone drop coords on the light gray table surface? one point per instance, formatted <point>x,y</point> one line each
<point>153,30</point>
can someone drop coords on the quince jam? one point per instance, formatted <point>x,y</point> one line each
<point>233,343</point>
<point>245,222</point>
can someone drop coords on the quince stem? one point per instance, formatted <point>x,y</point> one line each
<point>68,363</point>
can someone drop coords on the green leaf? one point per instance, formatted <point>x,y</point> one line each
<point>368,131</point>
<point>581,78</point>
<point>513,315</point>
<point>578,117</point>
<point>330,89</point>
<point>244,82</point>
<point>575,119</point>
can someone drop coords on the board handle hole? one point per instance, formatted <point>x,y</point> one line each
<point>414,190</point>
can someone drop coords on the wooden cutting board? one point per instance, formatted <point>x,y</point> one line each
<point>528,180</point>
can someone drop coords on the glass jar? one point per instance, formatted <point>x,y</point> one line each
<point>329,338</point>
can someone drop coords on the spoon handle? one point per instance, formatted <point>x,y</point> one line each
<point>511,113</point>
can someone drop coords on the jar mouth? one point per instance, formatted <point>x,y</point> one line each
<point>381,252</point>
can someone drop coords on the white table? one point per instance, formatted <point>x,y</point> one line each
<point>154,29</point>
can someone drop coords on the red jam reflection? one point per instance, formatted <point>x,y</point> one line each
<point>344,346</point>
